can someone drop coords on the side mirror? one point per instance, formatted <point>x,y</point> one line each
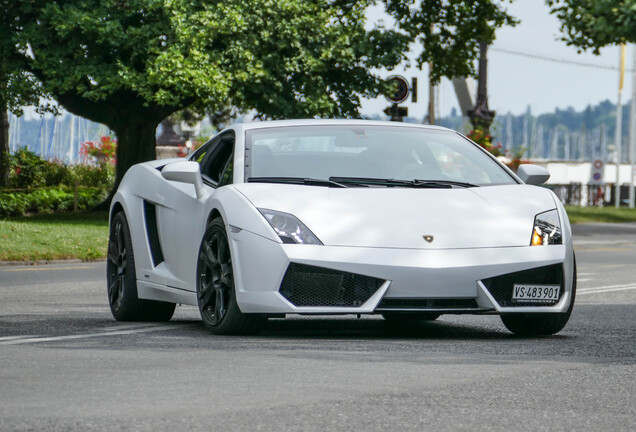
<point>184,172</point>
<point>533,174</point>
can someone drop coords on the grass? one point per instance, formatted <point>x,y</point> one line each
<point>54,236</point>
<point>600,214</point>
<point>85,235</point>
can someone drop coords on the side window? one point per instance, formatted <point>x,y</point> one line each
<point>228,171</point>
<point>200,153</point>
<point>216,165</point>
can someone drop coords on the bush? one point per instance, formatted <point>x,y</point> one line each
<point>16,203</point>
<point>102,176</point>
<point>27,169</point>
<point>30,171</point>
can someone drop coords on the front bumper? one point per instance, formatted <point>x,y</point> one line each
<point>260,266</point>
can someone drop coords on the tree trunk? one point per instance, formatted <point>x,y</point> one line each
<point>4,146</point>
<point>135,143</point>
<point>481,117</point>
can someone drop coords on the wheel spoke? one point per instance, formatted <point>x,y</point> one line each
<point>226,275</point>
<point>206,295</point>
<point>113,251</point>
<point>207,255</point>
<point>120,238</point>
<point>219,307</point>
<point>113,289</point>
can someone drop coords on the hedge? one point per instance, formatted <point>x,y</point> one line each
<point>59,199</point>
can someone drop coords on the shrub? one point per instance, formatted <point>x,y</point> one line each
<point>101,176</point>
<point>27,169</point>
<point>30,171</point>
<point>49,199</point>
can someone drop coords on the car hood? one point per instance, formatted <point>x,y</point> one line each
<point>490,216</point>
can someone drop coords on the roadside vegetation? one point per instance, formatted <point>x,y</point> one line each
<point>54,236</point>
<point>36,185</point>
<point>600,214</point>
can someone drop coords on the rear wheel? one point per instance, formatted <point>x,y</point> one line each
<point>540,324</point>
<point>122,279</point>
<point>215,286</point>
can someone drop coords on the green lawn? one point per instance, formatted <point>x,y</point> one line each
<point>54,236</point>
<point>85,235</point>
<point>600,214</point>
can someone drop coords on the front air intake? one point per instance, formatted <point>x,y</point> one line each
<point>305,285</point>
<point>414,304</point>
<point>500,287</point>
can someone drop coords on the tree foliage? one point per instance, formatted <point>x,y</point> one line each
<point>130,63</point>
<point>17,87</point>
<point>449,31</point>
<point>593,24</point>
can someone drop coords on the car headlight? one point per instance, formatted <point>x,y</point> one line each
<point>547,229</point>
<point>289,228</point>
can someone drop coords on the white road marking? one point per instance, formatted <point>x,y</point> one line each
<point>42,268</point>
<point>583,280</point>
<point>601,242</point>
<point>600,290</point>
<point>6,338</point>
<point>606,287</point>
<point>127,326</point>
<point>89,335</point>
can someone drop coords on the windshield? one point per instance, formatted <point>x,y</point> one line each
<point>356,154</point>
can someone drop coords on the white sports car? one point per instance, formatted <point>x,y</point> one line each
<point>339,217</point>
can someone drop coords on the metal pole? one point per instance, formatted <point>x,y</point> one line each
<point>431,96</point>
<point>632,134</point>
<point>619,120</point>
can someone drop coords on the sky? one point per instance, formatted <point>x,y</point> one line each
<point>518,81</point>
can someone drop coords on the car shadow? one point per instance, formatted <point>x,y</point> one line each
<point>329,328</point>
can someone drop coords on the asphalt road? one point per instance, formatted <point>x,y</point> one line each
<point>66,365</point>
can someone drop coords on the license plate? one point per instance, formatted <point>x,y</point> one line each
<point>524,293</point>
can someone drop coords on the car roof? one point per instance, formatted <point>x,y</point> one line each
<point>242,127</point>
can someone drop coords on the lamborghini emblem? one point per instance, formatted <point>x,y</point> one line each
<point>428,238</point>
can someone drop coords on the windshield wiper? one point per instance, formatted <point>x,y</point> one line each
<point>368,181</point>
<point>446,182</point>
<point>296,180</point>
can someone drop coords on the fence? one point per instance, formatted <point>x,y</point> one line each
<point>589,195</point>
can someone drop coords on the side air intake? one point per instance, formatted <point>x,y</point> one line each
<point>150,214</point>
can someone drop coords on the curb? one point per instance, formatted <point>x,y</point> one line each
<point>45,262</point>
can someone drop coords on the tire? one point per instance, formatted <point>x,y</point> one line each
<point>122,279</point>
<point>404,317</point>
<point>540,324</point>
<point>216,293</point>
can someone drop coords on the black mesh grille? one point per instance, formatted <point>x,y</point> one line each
<point>500,287</point>
<point>305,285</point>
<point>153,235</point>
<point>417,303</point>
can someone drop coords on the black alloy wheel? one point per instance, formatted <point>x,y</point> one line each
<point>216,293</point>
<point>116,265</point>
<point>215,278</point>
<point>122,279</point>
